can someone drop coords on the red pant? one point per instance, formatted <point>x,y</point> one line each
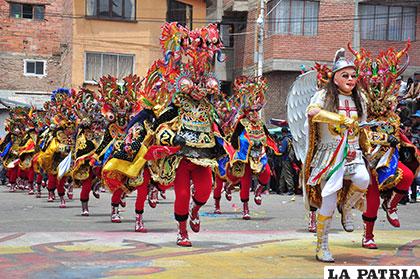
<point>39,178</point>
<point>373,197</point>
<point>12,174</point>
<point>28,174</point>
<point>116,197</point>
<point>86,188</point>
<point>246,180</point>
<point>202,180</point>
<point>142,191</point>
<point>54,182</point>
<point>217,192</point>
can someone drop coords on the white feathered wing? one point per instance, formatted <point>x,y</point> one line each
<point>298,99</point>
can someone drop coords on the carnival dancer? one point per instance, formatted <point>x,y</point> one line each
<point>118,106</point>
<point>87,113</point>
<point>189,123</point>
<point>126,171</point>
<point>10,147</point>
<point>226,111</point>
<point>336,111</point>
<point>251,139</point>
<point>26,154</point>
<point>41,129</point>
<point>333,155</point>
<point>391,178</point>
<point>58,142</point>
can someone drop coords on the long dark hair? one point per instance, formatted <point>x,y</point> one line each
<point>331,98</point>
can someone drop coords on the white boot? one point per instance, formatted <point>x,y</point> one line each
<point>323,253</point>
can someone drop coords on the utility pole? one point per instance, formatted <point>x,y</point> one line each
<point>356,31</point>
<point>260,26</point>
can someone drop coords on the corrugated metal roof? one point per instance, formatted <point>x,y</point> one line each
<point>23,98</point>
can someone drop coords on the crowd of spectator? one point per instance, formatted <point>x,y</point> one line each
<point>409,112</point>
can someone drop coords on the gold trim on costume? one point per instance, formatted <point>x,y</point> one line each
<point>129,169</point>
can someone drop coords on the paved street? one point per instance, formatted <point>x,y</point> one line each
<point>40,240</point>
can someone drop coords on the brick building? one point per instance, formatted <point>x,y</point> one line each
<point>35,49</point>
<point>300,32</point>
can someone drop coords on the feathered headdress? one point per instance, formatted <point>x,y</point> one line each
<point>187,65</point>
<point>227,109</point>
<point>119,101</point>
<point>61,109</point>
<point>378,77</point>
<point>19,119</point>
<point>252,92</point>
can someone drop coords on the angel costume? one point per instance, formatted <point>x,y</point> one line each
<point>333,156</point>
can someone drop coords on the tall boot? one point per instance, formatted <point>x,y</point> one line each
<point>228,191</point>
<point>258,192</point>
<point>182,237</point>
<point>51,196</point>
<point>323,253</point>
<point>62,202</point>
<point>194,217</point>
<point>95,188</point>
<point>217,206</point>
<point>139,224</point>
<point>19,183</point>
<point>26,185</point>
<point>115,214</point>
<point>368,242</point>
<point>123,203</point>
<point>31,189</point>
<point>245,212</point>
<point>85,208</point>
<point>312,221</point>
<point>390,207</point>
<point>70,191</point>
<point>153,196</point>
<point>38,190</point>
<point>353,196</point>
<point>163,194</point>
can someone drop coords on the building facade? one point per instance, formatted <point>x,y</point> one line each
<point>122,37</point>
<point>302,32</point>
<point>35,49</point>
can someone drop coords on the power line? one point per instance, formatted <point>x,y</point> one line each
<point>337,18</point>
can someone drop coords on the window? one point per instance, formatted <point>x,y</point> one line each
<point>27,11</point>
<point>34,67</point>
<point>295,17</point>
<point>112,9</point>
<point>179,12</point>
<point>100,64</point>
<point>390,23</point>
